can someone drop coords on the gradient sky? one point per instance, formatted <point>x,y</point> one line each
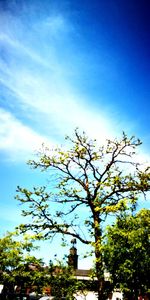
<point>65,64</point>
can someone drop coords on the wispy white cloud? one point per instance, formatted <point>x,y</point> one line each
<point>40,85</point>
<point>17,140</point>
<point>59,103</point>
<point>14,44</point>
<point>38,80</point>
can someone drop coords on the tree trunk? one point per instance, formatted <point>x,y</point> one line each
<point>98,256</point>
<point>100,280</point>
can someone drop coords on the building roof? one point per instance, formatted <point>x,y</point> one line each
<point>82,274</point>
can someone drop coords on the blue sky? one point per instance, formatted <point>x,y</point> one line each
<point>65,64</point>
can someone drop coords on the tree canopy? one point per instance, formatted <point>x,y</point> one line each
<point>86,183</point>
<point>15,262</point>
<point>18,268</point>
<point>63,282</point>
<point>127,252</point>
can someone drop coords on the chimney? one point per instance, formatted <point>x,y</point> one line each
<point>73,257</point>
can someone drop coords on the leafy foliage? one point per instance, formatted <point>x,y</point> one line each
<point>63,281</point>
<point>127,252</point>
<point>19,268</point>
<point>16,262</point>
<point>99,180</point>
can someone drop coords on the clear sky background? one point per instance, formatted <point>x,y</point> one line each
<point>64,64</point>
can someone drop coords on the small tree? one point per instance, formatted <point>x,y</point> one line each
<point>15,263</point>
<point>63,282</point>
<point>101,179</point>
<point>127,253</point>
